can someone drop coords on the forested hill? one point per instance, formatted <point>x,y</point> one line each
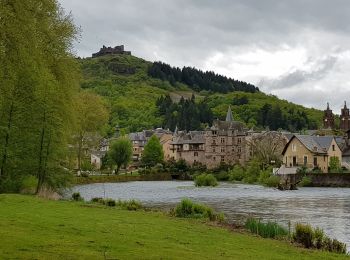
<point>198,80</point>
<point>131,87</point>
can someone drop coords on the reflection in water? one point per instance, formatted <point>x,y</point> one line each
<point>328,208</point>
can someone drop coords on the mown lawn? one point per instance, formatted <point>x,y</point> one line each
<point>33,228</point>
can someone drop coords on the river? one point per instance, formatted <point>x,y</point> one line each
<point>327,208</point>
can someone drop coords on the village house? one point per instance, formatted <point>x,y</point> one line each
<point>311,152</point>
<point>140,139</point>
<point>188,146</point>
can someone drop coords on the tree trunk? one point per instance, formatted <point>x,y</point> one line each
<point>80,147</point>
<point>39,174</point>
<point>7,139</point>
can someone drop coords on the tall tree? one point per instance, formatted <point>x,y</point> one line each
<point>120,152</point>
<point>153,152</point>
<point>39,79</point>
<point>92,115</point>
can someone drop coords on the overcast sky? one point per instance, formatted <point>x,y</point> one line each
<point>298,50</point>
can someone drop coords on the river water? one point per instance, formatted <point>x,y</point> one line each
<point>327,208</point>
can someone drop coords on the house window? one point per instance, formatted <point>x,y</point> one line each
<point>315,161</point>
<point>214,132</point>
<point>222,140</point>
<point>195,154</point>
<point>294,161</point>
<point>233,149</point>
<point>239,140</point>
<point>305,160</point>
<point>214,141</point>
<point>214,158</point>
<point>222,149</point>
<point>239,149</point>
<point>333,147</point>
<point>222,158</point>
<point>213,149</point>
<point>294,147</point>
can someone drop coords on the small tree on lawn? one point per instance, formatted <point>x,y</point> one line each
<point>153,152</point>
<point>120,152</point>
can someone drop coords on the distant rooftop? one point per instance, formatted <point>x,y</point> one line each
<point>110,50</point>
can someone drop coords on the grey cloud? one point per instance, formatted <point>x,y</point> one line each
<point>297,77</point>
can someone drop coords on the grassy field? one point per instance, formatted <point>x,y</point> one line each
<point>33,228</point>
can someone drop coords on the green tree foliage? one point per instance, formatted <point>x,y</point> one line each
<point>334,164</point>
<point>197,79</point>
<point>186,115</point>
<point>38,79</point>
<point>91,115</point>
<point>120,152</point>
<point>153,152</point>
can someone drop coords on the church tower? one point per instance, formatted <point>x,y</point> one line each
<point>328,118</point>
<point>345,118</point>
<point>229,116</point>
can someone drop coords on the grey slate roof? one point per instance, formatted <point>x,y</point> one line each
<point>316,144</point>
<point>192,137</point>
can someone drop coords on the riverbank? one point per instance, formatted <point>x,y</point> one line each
<point>120,178</point>
<point>39,229</point>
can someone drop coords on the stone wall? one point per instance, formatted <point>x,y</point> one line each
<point>330,179</point>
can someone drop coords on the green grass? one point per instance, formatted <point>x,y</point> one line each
<point>32,228</point>
<point>267,230</point>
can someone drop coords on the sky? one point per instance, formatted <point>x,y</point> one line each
<point>298,50</point>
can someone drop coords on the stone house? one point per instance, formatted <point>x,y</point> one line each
<point>311,151</point>
<point>140,139</point>
<point>188,146</point>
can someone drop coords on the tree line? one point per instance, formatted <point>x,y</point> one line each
<point>186,114</point>
<point>198,80</point>
<point>274,118</point>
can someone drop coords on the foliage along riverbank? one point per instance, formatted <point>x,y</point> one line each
<point>120,178</point>
<point>87,231</point>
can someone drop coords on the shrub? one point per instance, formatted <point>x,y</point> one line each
<point>266,230</point>
<point>130,205</point>
<point>319,238</point>
<point>304,235</point>
<point>222,176</point>
<point>205,180</point>
<point>305,182</point>
<point>272,181</point>
<point>110,202</point>
<point>97,200</point>
<point>236,174</point>
<point>188,209</point>
<point>309,237</point>
<point>76,196</point>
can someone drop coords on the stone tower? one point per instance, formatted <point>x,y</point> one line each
<point>345,118</point>
<point>328,118</point>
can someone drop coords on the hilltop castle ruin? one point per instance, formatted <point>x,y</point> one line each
<point>109,50</point>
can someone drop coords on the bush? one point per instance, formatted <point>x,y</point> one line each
<point>236,174</point>
<point>76,196</point>
<point>303,235</point>
<point>315,238</point>
<point>266,230</point>
<point>98,200</point>
<point>272,181</point>
<point>305,182</point>
<point>110,202</point>
<point>222,176</point>
<point>188,209</point>
<point>205,180</point>
<point>130,205</point>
